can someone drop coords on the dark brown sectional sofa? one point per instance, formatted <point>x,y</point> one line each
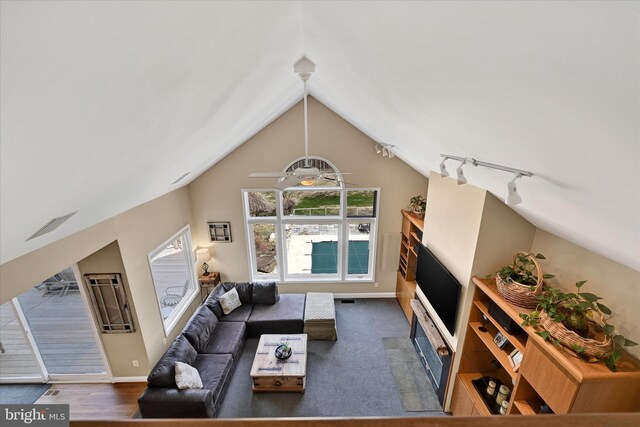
<point>212,343</point>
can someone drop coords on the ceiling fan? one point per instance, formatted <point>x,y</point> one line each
<point>306,174</point>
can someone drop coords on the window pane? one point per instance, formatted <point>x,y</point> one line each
<point>361,203</point>
<point>171,274</point>
<point>265,244</point>
<point>358,251</point>
<point>312,248</point>
<point>262,203</point>
<point>305,203</point>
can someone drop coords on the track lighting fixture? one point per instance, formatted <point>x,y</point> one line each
<point>513,197</point>
<point>443,167</point>
<point>461,178</point>
<point>385,149</point>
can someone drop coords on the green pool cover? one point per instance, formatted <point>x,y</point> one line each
<point>324,257</point>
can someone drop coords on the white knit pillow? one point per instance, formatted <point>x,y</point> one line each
<point>187,376</point>
<point>229,301</point>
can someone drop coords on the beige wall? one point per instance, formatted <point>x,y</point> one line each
<point>109,260</point>
<point>216,194</point>
<point>618,285</point>
<point>138,231</point>
<point>472,233</point>
<point>452,225</point>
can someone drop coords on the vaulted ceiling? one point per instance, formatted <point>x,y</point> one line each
<point>104,104</point>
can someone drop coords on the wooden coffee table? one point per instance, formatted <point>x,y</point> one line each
<point>272,374</point>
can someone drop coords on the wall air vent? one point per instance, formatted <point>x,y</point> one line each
<point>181,178</point>
<point>52,225</point>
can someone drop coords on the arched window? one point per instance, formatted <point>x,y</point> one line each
<point>315,231</point>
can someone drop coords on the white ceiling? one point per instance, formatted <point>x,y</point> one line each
<point>104,104</point>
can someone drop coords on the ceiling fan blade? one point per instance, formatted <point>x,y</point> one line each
<point>338,181</point>
<point>289,181</point>
<point>268,175</point>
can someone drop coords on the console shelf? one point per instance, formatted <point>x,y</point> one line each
<point>406,279</point>
<point>547,377</point>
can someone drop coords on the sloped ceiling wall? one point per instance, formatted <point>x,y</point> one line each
<point>103,105</point>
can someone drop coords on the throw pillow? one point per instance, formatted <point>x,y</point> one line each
<point>230,301</point>
<point>187,376</point>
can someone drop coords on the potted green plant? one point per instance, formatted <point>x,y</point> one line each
<point>418,205</point>
<point>577,320</point>
<point>522,281</point>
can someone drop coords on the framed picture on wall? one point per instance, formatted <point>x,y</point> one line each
<point>220,231</point>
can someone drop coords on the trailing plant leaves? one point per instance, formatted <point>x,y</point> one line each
<point>578,349</point>
<point>548,276</point>
<point>540,256</point>
<point>629,343</point>
<point>619,339</point>
<point>590,297</point>
<point>608,329</point>
<point>580,283</point>
<point>603,308</point>
<point>544,334</point>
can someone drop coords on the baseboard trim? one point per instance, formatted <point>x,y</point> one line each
<point>366,295</point>
<point>129,379</point>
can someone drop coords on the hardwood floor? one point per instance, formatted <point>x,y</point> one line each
<point>96,401</point>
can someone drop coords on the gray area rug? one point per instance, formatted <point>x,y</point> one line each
<point>416,392</point>
<point>350,377</point>
<point>21,393</point>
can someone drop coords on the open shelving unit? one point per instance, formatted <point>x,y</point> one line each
<point>548,378</point>
<point>412,228</point>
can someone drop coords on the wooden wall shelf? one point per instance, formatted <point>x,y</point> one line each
<point>547,375</point>
<point>412,229</point>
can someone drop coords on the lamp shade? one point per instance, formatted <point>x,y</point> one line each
<point>203,255</point>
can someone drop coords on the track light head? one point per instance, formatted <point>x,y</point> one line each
<point>443,168</point>
<point>391,155</point>
<point>513,198</point>
<point>461,178</point>
<point>385,152</point>
<point>378,148</point>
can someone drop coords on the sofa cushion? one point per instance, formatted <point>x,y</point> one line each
<point>213,302</point>
<point>214,369</point>
<point>285,317</point>
<point>187,376</point>
<point>230,301</point>
<point>199,328</point>
<point>264,293</point>
<point>240,314</point>
<point>164,373</point>
<point>227,338</point>
<point>245,290</point>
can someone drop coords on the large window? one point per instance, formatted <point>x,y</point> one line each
<point>322,232</point>
<point>174,276</point>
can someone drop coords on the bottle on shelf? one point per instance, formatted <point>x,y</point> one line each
<point>491,391</point>
<point>503,407</point>
<point>503,393</point>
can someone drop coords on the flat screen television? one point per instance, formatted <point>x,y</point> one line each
<point>439,286</point>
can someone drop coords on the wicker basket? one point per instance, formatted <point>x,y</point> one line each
<point>594,350</point>
<point>518,294</point>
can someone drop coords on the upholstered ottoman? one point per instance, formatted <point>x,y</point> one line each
<point>320,316</point>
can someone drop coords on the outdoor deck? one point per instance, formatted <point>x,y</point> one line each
<point>62,330</point>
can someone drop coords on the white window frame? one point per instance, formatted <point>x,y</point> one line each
<point>192,291</point>
<point>281,221</point>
